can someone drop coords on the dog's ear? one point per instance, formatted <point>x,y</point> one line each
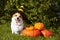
<point>13,12</point>
<point>25,18</point>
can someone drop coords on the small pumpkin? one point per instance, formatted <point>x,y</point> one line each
<point>46,33</point>
<point>30,27</point>
<point>39,26</point>
<point>32,33</point>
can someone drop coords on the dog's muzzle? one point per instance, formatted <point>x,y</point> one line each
<point>18,19</point>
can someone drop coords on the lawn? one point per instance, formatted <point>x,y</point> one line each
<point>5,34</point>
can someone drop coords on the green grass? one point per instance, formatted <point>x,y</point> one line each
<point>5,34</point>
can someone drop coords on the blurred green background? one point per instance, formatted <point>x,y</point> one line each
<point>45,11</point>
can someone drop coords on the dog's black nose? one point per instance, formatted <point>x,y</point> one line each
<point>18,18</point>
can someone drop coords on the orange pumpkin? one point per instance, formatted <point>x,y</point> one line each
<point>30,27</point>
<point>46,33</point>
<point>32,33</point>
<point>39,26</point>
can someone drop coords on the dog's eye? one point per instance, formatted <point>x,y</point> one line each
<point>15,15</point>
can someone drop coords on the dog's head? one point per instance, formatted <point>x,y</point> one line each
<point>17,16</point>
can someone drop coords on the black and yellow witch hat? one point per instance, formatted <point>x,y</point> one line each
<point>21,8</point>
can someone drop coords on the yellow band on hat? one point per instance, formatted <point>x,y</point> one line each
<point>21,6</point>
<point>21,10</point>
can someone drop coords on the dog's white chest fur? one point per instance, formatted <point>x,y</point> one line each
<point>16,27</point>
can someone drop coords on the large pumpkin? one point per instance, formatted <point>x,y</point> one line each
<point>39,26</point>
<point>46,33</point>
<point>32,33</point>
